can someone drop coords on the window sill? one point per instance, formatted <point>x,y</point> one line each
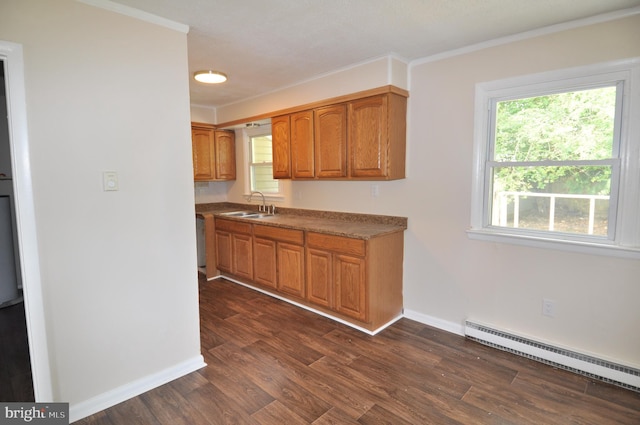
<point>267,197</point>
<point>581,247</point>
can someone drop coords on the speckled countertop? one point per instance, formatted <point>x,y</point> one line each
<point>361,226</point>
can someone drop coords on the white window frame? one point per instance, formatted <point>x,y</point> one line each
<point>624,240</point>
<point>248,133</point>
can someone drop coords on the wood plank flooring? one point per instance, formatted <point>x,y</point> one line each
<point>16,383</point>
<point>273,363</point>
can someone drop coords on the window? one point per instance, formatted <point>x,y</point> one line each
<point>556,159</point>
<point>261,163</point>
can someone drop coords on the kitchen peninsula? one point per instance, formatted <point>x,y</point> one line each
<point>343,265</point>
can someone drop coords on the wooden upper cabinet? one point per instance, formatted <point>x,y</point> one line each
<point>359,138</point>
<point>330,141</point>
<point>202,151</point>
<point>281,147</point>
<point>377,137</point>
<point>302,152</point>
<point>225,155</point>
<point>214,153</point>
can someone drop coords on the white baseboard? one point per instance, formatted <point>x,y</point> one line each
<point>563,358</point>
<point>456,328</point>
<point>311,309</point>
<point>103,401</point>
<point>598,368</point>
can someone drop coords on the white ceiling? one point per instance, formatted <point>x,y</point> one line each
<point>264,45</point>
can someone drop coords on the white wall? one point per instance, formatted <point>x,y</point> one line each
<point>118,268</point>
<point>448,277</point>
<point>451,277</point>
<point>203,114</point>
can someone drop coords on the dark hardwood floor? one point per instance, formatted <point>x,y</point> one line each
<point>272,363</point>
<point>16,383</point>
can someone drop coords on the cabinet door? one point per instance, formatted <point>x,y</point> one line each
<point>202,151</point>
<point>350,284</point>
<point>281,147</point>
<point>368,137</point>
<point>330,141</point>
<point>264,262</point>
<point>223,251</point>
<point>225,155</point>
<point>302,155</point>
<point>319,277</point>
<point>291,269</point>
<point>242,255</point>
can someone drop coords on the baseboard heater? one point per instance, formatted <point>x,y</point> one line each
<point>561,358</point>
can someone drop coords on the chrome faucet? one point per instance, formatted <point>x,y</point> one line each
<point>263,207</point>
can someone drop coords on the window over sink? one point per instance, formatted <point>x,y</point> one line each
<point>260,162</point>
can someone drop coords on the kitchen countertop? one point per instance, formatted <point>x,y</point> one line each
<point>360,226</point>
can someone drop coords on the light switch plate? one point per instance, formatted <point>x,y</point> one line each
<point>109,180</point>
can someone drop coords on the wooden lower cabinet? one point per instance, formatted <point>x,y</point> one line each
<point>337,275</point>
<point>265,262</point>
<point>320,277</point>
<point>223,251</point>
<point>234,248</point>
<point>242,255</point>
<point>279,259</point>
<point>291,269</point>
<point>350,282</point>
<point>354,279</point>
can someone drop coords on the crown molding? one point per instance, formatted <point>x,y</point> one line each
<point>137,14</point>
<point>551,29</point>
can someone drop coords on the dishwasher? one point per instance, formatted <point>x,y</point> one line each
<point>201,246</point>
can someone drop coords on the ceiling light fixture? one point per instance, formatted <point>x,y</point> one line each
<point>210,77</point>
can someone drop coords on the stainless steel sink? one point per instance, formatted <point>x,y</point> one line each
<point>238,213</point>
<point>245,214</point>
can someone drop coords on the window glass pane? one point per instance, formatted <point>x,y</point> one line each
<point>567,126</point>
<point>261,149</point>
<point>262,179</point>
<point>570,199</point>
<point>261,167</point>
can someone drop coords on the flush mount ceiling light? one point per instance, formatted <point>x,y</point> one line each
<point>210,77</point>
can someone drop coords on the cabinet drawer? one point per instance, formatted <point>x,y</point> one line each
<point>279,234</point>
<point>337,244</point>
<point>233,226</point>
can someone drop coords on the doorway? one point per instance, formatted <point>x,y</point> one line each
<point>34,348</point>
<point>16,381</point>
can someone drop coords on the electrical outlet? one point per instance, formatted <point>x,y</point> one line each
<point>548,308</point>
<point>375,190</point>
<point>109,181</point>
